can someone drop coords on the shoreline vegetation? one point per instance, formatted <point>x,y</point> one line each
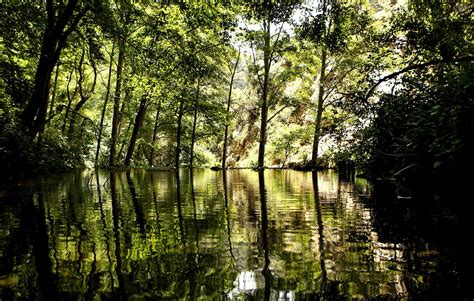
<point>384,88</point>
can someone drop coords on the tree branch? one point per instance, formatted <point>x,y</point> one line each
<point>413,67</point>
<point>277,112</point>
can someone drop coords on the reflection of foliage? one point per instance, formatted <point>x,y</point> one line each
<point>161,261</point>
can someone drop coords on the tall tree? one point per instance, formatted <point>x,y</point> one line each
<point>62,20</point>
<point>229,99</point>
<point>116,111</point>
<point>267,41</point>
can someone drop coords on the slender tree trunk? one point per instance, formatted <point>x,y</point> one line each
<point>70,99</point>
<point>122,145</point>
<point>317,126</point>
<point>115,118</point>
<point>155,134</point>
<point>136,128</point>
<point>178,133</point>
<point>51,106</point>
<point>193,134</point>
<point>264,108</point>
<point>85,96</point>
<point>229,99</point>
<point>104,108</point>
<point>322,78</point>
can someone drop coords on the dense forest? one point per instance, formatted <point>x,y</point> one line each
<point>386,86</point>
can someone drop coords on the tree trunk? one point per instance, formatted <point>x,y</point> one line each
<point>264,108</point>
<point>85,96</point>
<point>51,107</point>
<point>178,132</point>
<point>317,126</point>
<point>69,102</point>
<point>115,118</point>
<point>322,78</point>
<point>155,134</point>
<point>193,134</point>
<point>32,117</point>
<point>136,128</point>
<point>229,98</point>
<point>104,108</point>
<point>54,39</point>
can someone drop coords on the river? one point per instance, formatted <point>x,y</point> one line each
<point>273,235</point>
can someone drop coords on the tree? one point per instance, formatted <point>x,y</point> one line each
<point>269,43</point>
<point>62,20</point>
<point>332,29</point>
<point>229,98</point>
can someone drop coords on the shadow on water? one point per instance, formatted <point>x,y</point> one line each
<point>268,235</point>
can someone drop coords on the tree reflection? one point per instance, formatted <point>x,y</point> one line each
<point>310,237</point>
<point>136,204</point>
<point>227,214</point>
<point>180,210</point>
<point>116,216</point>
<point>263,207</point>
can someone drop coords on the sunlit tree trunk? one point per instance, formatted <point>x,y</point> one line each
<point>179,132</point>
<point>229,98</point>
<point>155,134</point>
<point>193,133</point>
<point>322,78</point>
<point>116,113</point>
<point>319,113</point>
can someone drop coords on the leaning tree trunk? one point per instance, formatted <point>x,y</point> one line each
<point>136,128</point>
<point>116,117</point>
<point>229,98</point>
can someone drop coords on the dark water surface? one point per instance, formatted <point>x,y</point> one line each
<point>277,235</point>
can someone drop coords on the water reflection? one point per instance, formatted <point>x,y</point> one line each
<point>272,235</point>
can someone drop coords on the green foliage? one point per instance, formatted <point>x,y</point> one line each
<point>18,154</point>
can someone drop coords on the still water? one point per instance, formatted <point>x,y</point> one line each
<point>273,235</point>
